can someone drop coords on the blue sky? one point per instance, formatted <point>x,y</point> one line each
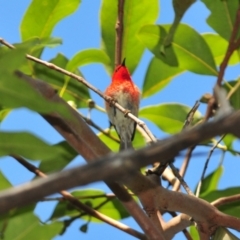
<point>80,31</point>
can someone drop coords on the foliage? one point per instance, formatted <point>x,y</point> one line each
<point>195,52</point>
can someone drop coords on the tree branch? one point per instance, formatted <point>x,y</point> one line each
<point>119,33</point>
<point>113,166</point>
<point>232,46</point>
<point>84,141</point>
<point>80,206</point>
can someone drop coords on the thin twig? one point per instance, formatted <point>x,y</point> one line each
<point>105,132</point>
<point>106,98</point>
<point>206,165</point>
<point>178,175</point>
<point>183,168</point>
<point>79,205</point>
<point>107,195</point>
<point>225,200</point>
<point>190,115</point>
<point>84,141</point>
<point>83,81</point>
<point>232,46</point>
<point>2,41</point>
<point>234,89</point>
<point>89,122</point>
<point>119,33</point>
<point>181,180</point>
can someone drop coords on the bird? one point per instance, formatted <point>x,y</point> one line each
<point>123,90</point>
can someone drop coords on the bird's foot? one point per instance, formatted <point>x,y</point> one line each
<point>112,102</point>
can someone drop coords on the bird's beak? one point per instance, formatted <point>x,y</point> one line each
<point>123,62</point>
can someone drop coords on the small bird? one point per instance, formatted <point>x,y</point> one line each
<point>127,94</point>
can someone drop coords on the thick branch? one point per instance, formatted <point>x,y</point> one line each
<point>84,141</point>
<point>114,166</point>
<point>81,206</point>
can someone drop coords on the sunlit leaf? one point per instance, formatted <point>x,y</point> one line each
<point>224,10</point>
<point>232,208</point>
<point>169,117</point>
<point>228,141</point>
<point>194,233</point>
<point>210,183</point>
<point>188,50</point>
<point>114,146</point>
<point>158,76</point>
<point>4,113</point>
<point>42,16</point>
<point>218,46</point>
<point>136,15</point>
<point>94,199</point>
<point>4,182</point>
<point>235,95</point>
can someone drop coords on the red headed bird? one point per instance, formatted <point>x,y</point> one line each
<point>126,93</point>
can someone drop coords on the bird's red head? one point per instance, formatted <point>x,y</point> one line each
<point>121,72</point>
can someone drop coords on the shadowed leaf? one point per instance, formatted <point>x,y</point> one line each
<point>188,53</point>
<point>224,10</point>
<point>42,16</point>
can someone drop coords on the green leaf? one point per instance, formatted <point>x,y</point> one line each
<point>72,90</point>
<point>17,60</point>
<point>231,208</point>
<point>86,57</point>
<point>84,228</point>
<point>224,234</point>
<point>224,10</point>
<point>235,97</point>
<point>4,182</point>
<point>33,46</point>
<point>4,113</point>
<point>113,145</point>
<point>138,141</point>
<point>27,226</point>
<point>136,15</point>
<point>188,53</point>
<point>169,117</point>
<point>16,92</point>
<point>218,46</point>
<point>42,16</point>
<point>180,7</point>
<point>210,183</point>
<point>108,206</point>
<point>158,76</point>
<point>228,141</point>
<point>64,155</point>
<point>194,233</point>
<point>26,145</point>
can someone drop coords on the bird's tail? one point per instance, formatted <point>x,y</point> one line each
<point>125,145</point>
